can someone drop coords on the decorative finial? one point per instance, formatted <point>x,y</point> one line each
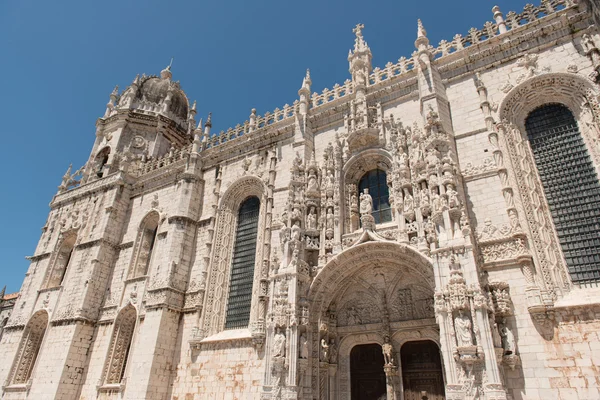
<point>421,32</point>
<point>115,91</point>
<point>306,82</point>
<point>358,30</point>
<point>194,106</point>
<point>208,120</point>
<point>166,73</point>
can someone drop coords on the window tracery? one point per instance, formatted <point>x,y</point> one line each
<point>144,245</point>
<point>242,268</point>
<point>61,261</point>
<point>571,187</point>
<point>120,346</point>
<point>30,348</point>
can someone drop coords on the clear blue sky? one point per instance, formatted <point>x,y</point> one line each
<point>61,60</point>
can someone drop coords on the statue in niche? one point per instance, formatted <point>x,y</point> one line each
<point>366,203</point>
<point>409,202</point>
<point>311,219</point>
<point>303,347</point>
<point>279,344</point>
<point>463,326</point>
<point>330,181</point>
<point>296,231</point>
<point>435,202</point>
<point>433,157</point>
<point>333,353</point>
<point>353,202</point>
<point>453,201</point>
<point>496,338</point>
<point>508,339</point>
<point>402,156</point>
<point>388,351</point>
<point>324,350</point>
<point>312,182</point>
<point>329,218</point>
<point>514,220</point>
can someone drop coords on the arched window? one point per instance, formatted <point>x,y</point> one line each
<point>145,245</point>
<point>120,345</point>
<point>100,161</point>
<point>376,181</point>
<point>571,187</point>
<point>61,262</point>
<point>242,266</point>
<point>30,348</point>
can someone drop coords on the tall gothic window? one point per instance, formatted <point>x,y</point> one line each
<point>120,346</point>
<point>33,336</point>
<point>145,245</point>
<point>61,262</point>
<point>242,268</point>
<point>571,187</point>
<point>101,160</point>
<point>376,181</point>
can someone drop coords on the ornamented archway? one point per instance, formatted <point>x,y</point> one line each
<point>580,96</point>
<point>375,292</point>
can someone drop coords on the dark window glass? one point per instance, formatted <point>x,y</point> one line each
<point>376,181</point>
<point>571,187</point>
<point>242,268</point>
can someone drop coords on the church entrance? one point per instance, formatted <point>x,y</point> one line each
<point>422,371</point>
<point>366,372</point>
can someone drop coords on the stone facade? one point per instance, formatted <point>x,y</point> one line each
<point>127,293</point>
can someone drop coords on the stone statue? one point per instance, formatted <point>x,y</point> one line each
<point>311,219</point>
<point>495,334</point>
<point>453,201</point>
<point>366,203</point>
<point>354,202</point>
<point>296,231</point>
<point>329,218</point>
<point>324,350</point>
<point>332,352</point>
<point>312,182</point>
<point>353,317</point>
<point>279,344</point>
<point>388,351</point>
<point>303,347</point>
<point>409,203</point>
<point>463,326</point>
<point>508,339</point>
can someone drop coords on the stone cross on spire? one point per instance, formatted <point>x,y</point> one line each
<point>358,30</point>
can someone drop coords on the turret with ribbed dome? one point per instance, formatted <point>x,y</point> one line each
<point>151,118</point>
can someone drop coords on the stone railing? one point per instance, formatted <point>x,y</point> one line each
<point>403,65</point>
<point>329,95</point>
<point>256,123</point>
<point>166,160</point>
<point>501,25</point>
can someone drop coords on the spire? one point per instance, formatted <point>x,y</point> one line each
<point>306,82</point>
<point>421,32</point>
<point>166,73</point>
<point>208,121</point>
<point>360,58</point>
<point>422,43</point>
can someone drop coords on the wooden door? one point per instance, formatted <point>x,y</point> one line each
<point>366,372</point>
<point>422,371</point>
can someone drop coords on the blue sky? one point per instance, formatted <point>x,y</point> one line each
<point>62,59</point>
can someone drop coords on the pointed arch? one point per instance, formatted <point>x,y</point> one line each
<point>219,276</point>
<point>120,345</point>
<point>29,349</point>
<point>577,94</point>
<point>144,245</point>
<point>61,259</point>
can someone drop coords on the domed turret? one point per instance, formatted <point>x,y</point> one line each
<point>157,94</point>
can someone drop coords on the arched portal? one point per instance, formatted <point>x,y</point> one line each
<point>373,296</point>
<point>422,371</point>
